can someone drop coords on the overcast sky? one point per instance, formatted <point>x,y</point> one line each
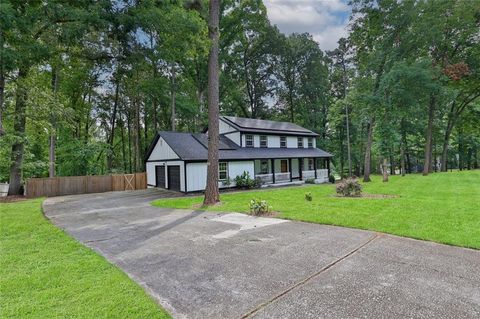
<point>325,20</point>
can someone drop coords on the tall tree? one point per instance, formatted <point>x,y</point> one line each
<point>212,195</point>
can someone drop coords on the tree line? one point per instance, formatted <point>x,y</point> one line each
<point>85,85</point>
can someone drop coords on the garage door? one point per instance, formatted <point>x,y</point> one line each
<point>174,178</point>
<point>160,176</point>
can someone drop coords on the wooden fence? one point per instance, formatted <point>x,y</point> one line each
<point>73,185</point>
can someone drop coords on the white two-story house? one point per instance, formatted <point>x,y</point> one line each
<point>275,152</point>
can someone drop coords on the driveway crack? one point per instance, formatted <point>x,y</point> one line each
<point>307,279</point>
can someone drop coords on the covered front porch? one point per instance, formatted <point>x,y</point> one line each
<point>285,170</point>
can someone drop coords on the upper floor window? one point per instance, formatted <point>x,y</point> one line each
<point>222,171</point>
<point>263,141</point>
<point>300,142</point>
<point>264,167</point>
<point>310,142</point>
<point>283,141</point>
<point>249,140</point>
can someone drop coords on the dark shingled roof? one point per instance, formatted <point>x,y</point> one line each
<point>192,147</point>
<point>263,126</point>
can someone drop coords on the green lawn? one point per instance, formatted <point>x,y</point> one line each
<point>441,207</point>
<point>44,273</point>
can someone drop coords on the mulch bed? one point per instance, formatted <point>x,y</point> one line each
<point>12,198</point>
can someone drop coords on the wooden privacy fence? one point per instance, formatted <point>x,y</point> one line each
<point>73,185</point>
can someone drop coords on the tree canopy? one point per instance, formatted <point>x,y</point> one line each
<point>85,85</point>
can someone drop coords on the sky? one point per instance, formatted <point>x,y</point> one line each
<point>325,20</point>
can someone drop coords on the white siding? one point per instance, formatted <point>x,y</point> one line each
<point>197,174</point>
<point>151,178</point>
<point>256,140</point>
<point>162,151</point>
<point>292,142</point>
<point>151,173</point>
<point>225,128</point>
<point>295,171</point>
<point>273,141</point>
<point>235,137</point>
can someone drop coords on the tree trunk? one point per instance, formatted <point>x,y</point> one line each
<point>53,136</point>
<point>402,158</point>
<point>212,195</point>
<point>428,136</point>
<point>18,146</point>
<point>349,156</point>
<point>173,97</point>
<point>446,139</point>
<point>368,152</point>
<point>138,159</point>
<point>385,170</point>
<point>113,120</point>
<point>2,97</point>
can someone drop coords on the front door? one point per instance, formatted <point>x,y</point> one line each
<point>284,166</point>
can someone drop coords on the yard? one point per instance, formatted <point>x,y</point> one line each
<point>441,207</point>
<point>44,273</point>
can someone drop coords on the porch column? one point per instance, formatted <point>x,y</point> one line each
<point>315,166</point>
<point>290,168</point>
<point>300,168</point>
<point>273,169</point>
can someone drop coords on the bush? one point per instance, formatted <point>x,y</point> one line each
<point>227,182</point>
<point>331,179</point>
<point>259,207</point>
<point>349,187</point>
<point>245,181</point>
<point>310,180</point>
<point>258,182</point>
<point>308,196</point>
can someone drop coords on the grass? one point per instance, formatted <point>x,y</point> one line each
<point>44,273</point>
<point>441,207</point>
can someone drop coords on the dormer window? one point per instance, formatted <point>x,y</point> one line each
<point>263,141</point>
<point>249,140</point>
<point>310,142</point>
<point>283,141</point>
<point>300,142</point>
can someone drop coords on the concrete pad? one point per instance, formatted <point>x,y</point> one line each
<point>211,265</point>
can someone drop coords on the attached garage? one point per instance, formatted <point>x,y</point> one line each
<point>174,178</point>
<point>160,176</point>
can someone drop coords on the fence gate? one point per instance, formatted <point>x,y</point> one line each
<point>129,182</point>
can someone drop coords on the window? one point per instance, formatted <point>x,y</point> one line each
<point>283,141</point>
<point>300,142</point>
<point>263,141</point>
<point>310,164</point>
<point>284,166</point>
<point>310,142</point>
<point>222,171</point>
<point>248,140</point>
<point>264,167</point>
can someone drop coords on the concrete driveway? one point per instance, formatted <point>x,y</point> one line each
<point>210,265</point>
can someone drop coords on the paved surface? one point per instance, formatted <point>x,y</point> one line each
<point>209,265</point>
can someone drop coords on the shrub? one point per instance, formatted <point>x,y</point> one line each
<point>258,182</point>
<point>259,207</point>
<point>310,180</point>
<point>331,179</point>
<point>227,182</point>
<point>349,187</point>
<point>308,196</point>
<point>245,181</point>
